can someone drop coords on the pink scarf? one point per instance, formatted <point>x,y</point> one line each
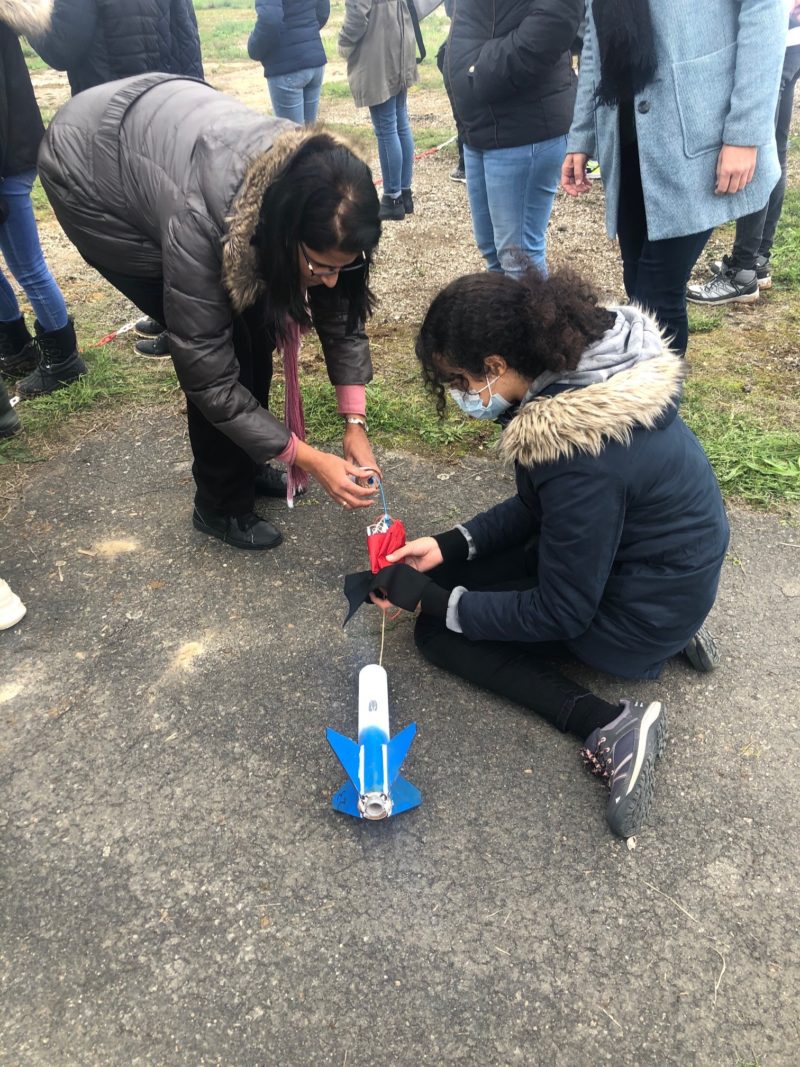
<point>296,478</point>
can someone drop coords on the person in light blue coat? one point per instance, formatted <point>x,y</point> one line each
<point>678,105</point>
<point>286,40</point>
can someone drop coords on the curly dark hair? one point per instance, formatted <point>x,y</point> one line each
<point>325,197</point>
<point>536,324</point>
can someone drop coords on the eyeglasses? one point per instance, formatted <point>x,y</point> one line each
<point>319,270</point>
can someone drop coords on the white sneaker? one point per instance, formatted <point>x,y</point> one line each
<point>11,607</point>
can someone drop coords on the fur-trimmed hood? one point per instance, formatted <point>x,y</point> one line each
<point>240,274</point>
<point>582,420</point>
<point>26,16</point>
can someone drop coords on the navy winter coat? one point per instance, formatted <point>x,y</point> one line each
<point>508,70</point>
<point>286,35</point>
<point>629,518</point>
<point>98,41</point>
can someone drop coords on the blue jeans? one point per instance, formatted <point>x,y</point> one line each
<point>296,95</point>
<point>395,143</point>
<point>511,193</point>
<point>19,243</point>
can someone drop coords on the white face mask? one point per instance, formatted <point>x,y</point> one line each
<point>471,404</point>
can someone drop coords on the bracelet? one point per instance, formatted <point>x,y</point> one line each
<point>356,420</point>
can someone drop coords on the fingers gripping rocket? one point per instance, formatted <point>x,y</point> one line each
<point>375,789</point>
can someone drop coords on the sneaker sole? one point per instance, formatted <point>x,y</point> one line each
<point>705,656</point>
<point>246,546</point>
<point>743,298</point>
<point>765,283</point>
<point>147,355</point>
<point>627,819</point>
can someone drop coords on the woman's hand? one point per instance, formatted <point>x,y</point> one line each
<point>423,554</point>
<point>358,451</point>
<point>336,476</point>
<point>735,168</point>
<point>573,174</point>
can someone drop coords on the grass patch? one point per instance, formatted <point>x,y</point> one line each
<point>754,461</point>
<point>109,382</point>
<point>786,250</point>
<point>702,320</point>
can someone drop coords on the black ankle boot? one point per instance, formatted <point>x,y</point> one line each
<point>59,362</point>
<point>241,531</point>
<point>9,419</point>
<point>407,196</point>
<point>18,352</point>
<point>391,208</point>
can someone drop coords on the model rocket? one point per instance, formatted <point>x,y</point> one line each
<point>375,789</point>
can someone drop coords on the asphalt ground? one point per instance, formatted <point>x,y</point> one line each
<point>176,888</point>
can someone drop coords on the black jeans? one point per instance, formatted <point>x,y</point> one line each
<point>755,233</point>
<point>519,671</point>
<point>655,273</point>
<point>223,473</point>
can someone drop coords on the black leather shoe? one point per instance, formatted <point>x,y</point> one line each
<point>148,327</point>
<point>272,482</point>
<point>248,531</point>
<point>153,347</point>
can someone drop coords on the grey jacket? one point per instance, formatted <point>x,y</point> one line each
<point>719,65</point>
<point>377,40</point>
<point>171,188</point>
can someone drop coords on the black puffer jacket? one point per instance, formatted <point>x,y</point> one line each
<point>21,128</point>
<point>163,177</point>
<point>97,41</point>
<point>508,69</point>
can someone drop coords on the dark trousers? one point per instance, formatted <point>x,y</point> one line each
<point>223,473</point>
<point>522,672</point>
<point>655,273</point>
<point>755,233</point>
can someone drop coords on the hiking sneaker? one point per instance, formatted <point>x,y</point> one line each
<point>624,754</point>
<point>763,272</point>
<point>740,287</point>
<point>702,651</point>
<point>248,531</point>
<point>153,347</point>
<point>391,208</point>
<point>458,174</point>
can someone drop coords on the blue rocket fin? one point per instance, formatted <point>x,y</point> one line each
<point>404,795</point>
<point>347,752</point>
<point>398,750</point>
<point>346,801</point>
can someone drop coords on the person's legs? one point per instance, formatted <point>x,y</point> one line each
<point>631,218</point>
<point>390,151</point>
<point>655,273</point>
<point>19,242</point>
<point>286,95</point>
<point>224,474</point>
<point>406,139</point>
<point>791,72</point>
<point>522,673</point>
<point>479,206</point>
<point>312,91</point>
<point>520,188</point>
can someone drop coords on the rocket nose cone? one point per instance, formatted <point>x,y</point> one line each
<point>375,806</point>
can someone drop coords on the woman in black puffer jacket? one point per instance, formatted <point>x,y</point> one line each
<point>509,75</point>
<point>98,41</point>
<point>286,40</point>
